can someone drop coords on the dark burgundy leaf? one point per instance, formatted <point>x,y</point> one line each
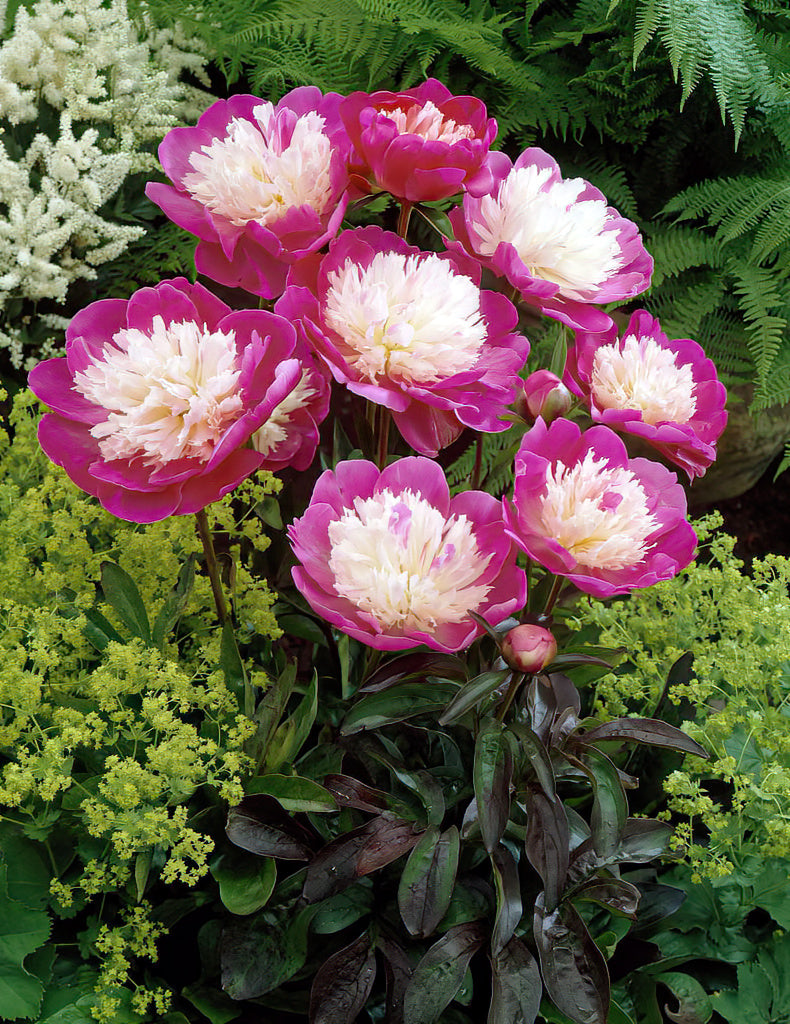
<point>428,878</point>
<point>566,695</point>
<point>259,824</point>
<point>492,776</point>
<point>388,838</point>
<point>565,723</point>
<point>645,730</point>
<point>439,975</point>
<point>397,704</point>
<point>614,893</point>
<point>471,694</point>
<point>574,660</point>
<point>548,842</point>
<point>641,840</point>
<point>342,984</point>
<point>398,970</point>
<point>531,746</point>
<point>350,792</point>
<point>335,867</point>
<point>574,970</point>
<point>610,806</point>
<point>516,988</point>
<point>541,705</point>
<point>657,902</point>
<point>508,898</point>
<point>408,666</point>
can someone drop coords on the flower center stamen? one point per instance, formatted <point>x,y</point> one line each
<point>398,559</point>
<point>640,374</point>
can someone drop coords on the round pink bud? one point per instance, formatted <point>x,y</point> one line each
<point>546,396</point>
<point>529,648</point>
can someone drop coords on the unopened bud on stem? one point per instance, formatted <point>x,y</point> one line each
<point>529,648</point>
<point>546,396</point>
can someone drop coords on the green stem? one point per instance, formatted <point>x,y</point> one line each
<point>212,566</point>
<point>512,690</point>
<point>403,217</point>
<point>474,481</point>
<point>384,418</point>
<point>555,593</point>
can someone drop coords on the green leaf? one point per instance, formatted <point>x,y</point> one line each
<point>99,630</point>
<point>472,693</point>
<point>213,1004</point>
<point>343,909</point>
<point>289,737</point>
<point>175,603</point>
<point>439,975</point>
<point>610,806</point>
<point>258,956</point>
<point>293,793</point>
<point>22,930</point>
<point>694,1002</point>
<point>28,877</point>
<point>492,774</point>
<point>396,704</point>
<point>230,661</point>
<point>245,883</point>
<point>645,730</point>
<point>121,593</point>
<point>427,881</point>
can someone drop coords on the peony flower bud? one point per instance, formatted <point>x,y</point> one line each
<point>529,648</point>
<point>546,396</point>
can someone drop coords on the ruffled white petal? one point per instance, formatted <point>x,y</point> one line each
<point>640,374</point>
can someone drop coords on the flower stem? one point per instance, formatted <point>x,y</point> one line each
<point>383,438</point>
<point>555,593</point>
<point>512,690</point>
<point>403,217</point>
<point>212,566</point>
<point>474,481</point>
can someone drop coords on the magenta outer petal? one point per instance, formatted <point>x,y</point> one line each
<point>182,209</point>
<point>427,430</point>
<point>338,490</point>
<point>52,382</point>
<point>671,544</point>
<point>256,271</point>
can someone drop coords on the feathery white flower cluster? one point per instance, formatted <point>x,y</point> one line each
<point>114,87</point>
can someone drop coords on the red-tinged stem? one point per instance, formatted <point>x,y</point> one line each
<point>403,217</point>
<point>474,481</point>
<point>512,690</point>
<point>384,418</point>
<point>555,593</point>
<point>212,565</point>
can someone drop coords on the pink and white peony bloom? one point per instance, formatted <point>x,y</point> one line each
<point>554,239</point>
<point>157,397</point>
<point>546,396</point>
<point>260,185</point>
<point>666,392</point>
<point>410,330</point>
<point>423,144</point>
<point>390,559</point>
<point>584,510</point>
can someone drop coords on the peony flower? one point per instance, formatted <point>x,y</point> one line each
<point>423,144</point>
<point>389,558</point>
<point>260,185</point>
<point>157,397</point>
<point>665,392</point>
<point>409,330</point>
<point>584,511</point>
<point>554,239</point>
<point>529,648</point>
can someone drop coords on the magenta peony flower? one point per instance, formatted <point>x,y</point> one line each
<point>260,185</point>
<point>410,330</point>
<point>423,144</point>
<point>389,558</point>
<point>665,392</point>
<point>584,511</point>
<point>158,395</point>
<point>554,239</point>
<point>529,648</point>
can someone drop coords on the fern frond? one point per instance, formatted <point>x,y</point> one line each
<point>759,299</point>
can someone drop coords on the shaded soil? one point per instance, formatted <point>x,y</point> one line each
<point>760,518</point>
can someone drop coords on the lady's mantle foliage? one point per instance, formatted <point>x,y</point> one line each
<point>554,239</point>
<point>423,144</point>
<point>260,185</point>
<point>391,560</point>
<point>409,330</point>
<point>585,511</point>
<point>663,391</point>
<point>156,397</point>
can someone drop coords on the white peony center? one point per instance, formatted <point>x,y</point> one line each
<point>398,559</point>
<point>598,514</point>
<point>406,318</point>
<point>640,374</point>
<point>428,122</point>
<point>275,430</point>
<point>557,238</point>
<point>170,394</point>
<point>257,172</point>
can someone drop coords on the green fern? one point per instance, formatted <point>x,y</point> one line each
<point>496,462</point>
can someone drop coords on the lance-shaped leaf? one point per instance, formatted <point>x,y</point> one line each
<point>548,842</point>
<point>388,838</point>
<point>122,595</point>
<point>641,840</point>
<point>645,730</point>
<point>574,970</point>
<point>259,824</point>
<point>428,878</point>
<point>538,757</point>
<point>440,974</point>
<point>471,694</point>
<point>516,987</point>
<point>293,793</point>
<point>350,792</point>
<point>415,666</point>
<point>508,898</point>
<point>335,866</point>
<point>618,895</point>
<point>175,604</point>
<point>492,776</point>
<point>610,806</point>
<point>289,737</point>
<point>397,704</point>
<point>258,957</point>
<point>398,970</point>
<point>342,984</point>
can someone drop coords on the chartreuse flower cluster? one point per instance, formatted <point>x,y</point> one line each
<point>738,628</point>
<point>111,746</point>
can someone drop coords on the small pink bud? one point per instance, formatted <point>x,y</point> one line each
<point>546,396</point>
<point>529,648</point>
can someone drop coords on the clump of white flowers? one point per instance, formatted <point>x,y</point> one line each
<point>112,87</point>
